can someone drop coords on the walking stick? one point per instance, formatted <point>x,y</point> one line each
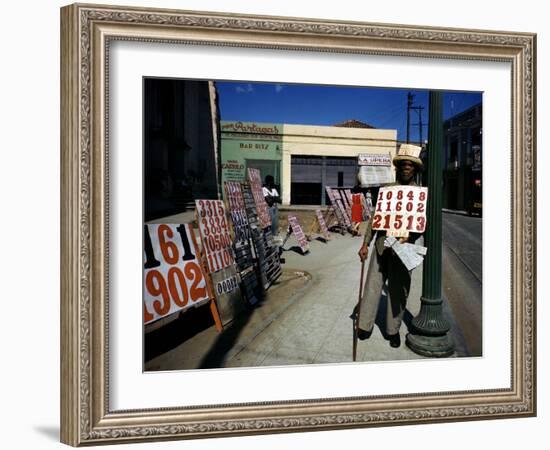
<point>358,312</point>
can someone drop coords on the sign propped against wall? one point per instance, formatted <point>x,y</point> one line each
<point>218,252</point>
<point>235,200</point>
<point>338,208</point>
<point>374,170</point>
<point>215,236</point>
<point>173,278</point>
<point>226,287</point>
<point>244,254</point>
<point>295,228</point>
<point>255,182</point>
<point>265,249</point>
<point>401,210</point>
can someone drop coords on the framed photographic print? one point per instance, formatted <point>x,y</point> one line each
<point>267,221</point>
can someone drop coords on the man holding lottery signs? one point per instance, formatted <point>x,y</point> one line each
<point>401,213</point>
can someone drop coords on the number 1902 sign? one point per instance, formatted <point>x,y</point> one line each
<point>173,278</point>
<point>401,210</point>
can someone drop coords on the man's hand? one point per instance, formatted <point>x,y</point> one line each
<point>364,252</point>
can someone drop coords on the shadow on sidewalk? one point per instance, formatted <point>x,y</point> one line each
<point>226,339</point>
<point>380,320</point>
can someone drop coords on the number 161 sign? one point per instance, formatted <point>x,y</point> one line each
<point>401,210</point>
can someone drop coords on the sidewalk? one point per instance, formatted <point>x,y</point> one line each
<point>305,318</point>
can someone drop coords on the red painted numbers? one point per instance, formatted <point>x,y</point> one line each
<point>173,279</point>
<point>214,231</point>
<point>400,210</point>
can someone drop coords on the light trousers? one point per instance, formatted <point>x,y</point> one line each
<point>385,268</point>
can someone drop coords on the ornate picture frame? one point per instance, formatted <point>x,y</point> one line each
<point>87,32</point>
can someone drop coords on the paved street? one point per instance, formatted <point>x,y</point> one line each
<point>462,275</point>
<point>305,317</point>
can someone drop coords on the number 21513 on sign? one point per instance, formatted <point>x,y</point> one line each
<point>401,210</point>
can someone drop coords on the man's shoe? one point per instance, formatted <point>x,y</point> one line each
<point>363,334</point>
<point>395,340</point>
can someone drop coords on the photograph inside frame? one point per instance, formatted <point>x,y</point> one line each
<point>293,224</point>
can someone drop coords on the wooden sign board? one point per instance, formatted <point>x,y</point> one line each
<point>401,210</point>
<point>226,287</point>
<point>215,236</point>
<point>339,208</point>
<point>261,206</point>
<point>266,253</point>
<point>219,255</point>
<point>235,200</point>
<point>173,278</point>
<point>244,255</point>
<point>322,224</point>
<point>298,233</point>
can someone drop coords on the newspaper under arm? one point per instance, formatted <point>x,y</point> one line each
<point>411,255</point>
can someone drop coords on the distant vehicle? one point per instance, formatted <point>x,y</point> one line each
<point>475,201</point>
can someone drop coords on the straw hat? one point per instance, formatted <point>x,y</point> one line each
<point>409,152</point>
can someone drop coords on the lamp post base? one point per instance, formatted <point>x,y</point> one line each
<point>431,346</point>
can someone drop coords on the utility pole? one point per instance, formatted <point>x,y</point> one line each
<point>429,334</point>
<point>418,109</point>
<point>409,106</point>
<point>420,124</point>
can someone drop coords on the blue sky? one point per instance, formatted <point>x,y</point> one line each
<point>328,105</point>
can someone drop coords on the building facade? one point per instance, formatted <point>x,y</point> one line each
<point>462,168</point>
<point>180,151</point>
<point>303,159</point>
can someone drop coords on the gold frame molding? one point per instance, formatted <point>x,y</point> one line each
<point>86,31</point>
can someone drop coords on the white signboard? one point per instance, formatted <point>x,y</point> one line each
<point>173,279</point>
<point>401,210</point>
<point>374,170</point>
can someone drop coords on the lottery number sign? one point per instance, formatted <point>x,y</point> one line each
<point>259,200</point>
<point>322,224</point>
<point>298,233</point>
<point>237,209</point>
<point>401,210</point>
<point>173,278</point>
<point>215,237</point>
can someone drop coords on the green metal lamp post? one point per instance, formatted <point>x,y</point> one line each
<point>429,336</point>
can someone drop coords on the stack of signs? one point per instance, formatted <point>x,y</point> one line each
<point>374,170</point>
<point>242,246</point>
<point>322,225</point>
<point>173,278</point>
<point>401,210</point>
<point>296,229</point>
<point>267,253</point>
<point>338,208</point>
<point>235,200</point>
<point>218,251</point>
<point>255,182</point>
<point>347,199</point>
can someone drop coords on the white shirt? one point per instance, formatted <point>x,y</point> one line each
<point>273,192</point>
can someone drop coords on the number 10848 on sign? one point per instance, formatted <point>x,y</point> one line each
<point>401,210</point>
